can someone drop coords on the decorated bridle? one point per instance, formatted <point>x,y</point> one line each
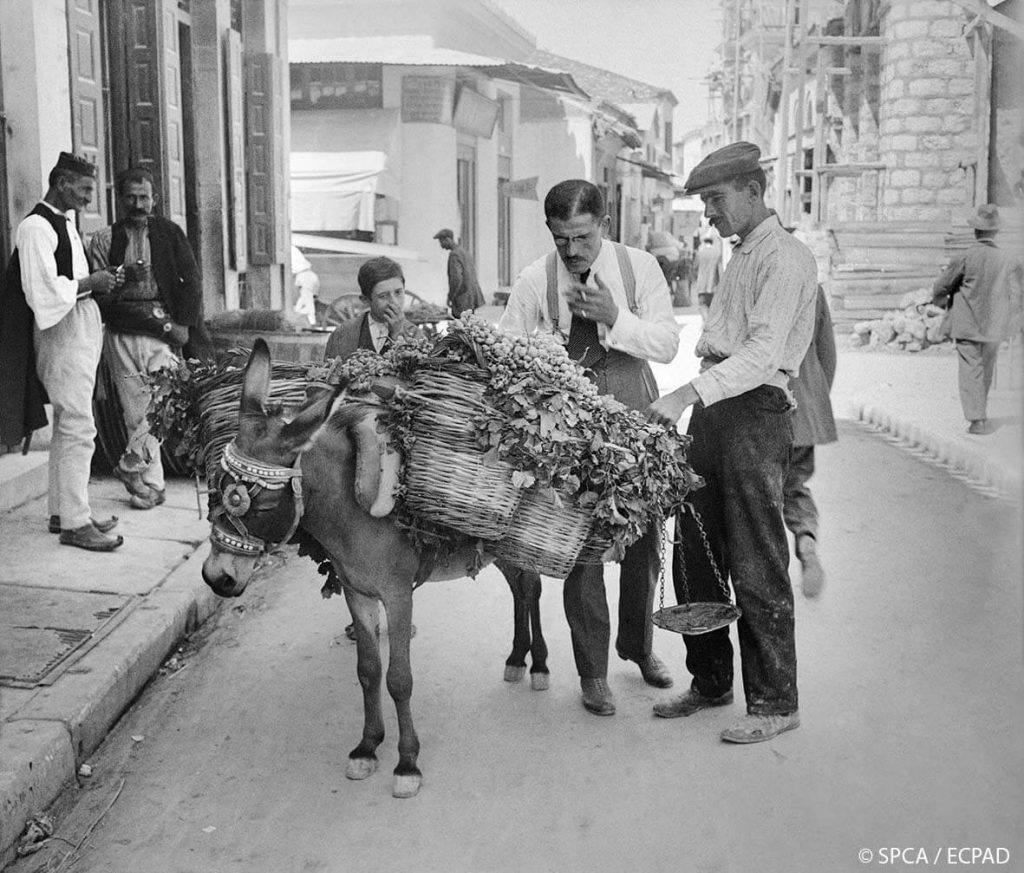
<point>250,477</point>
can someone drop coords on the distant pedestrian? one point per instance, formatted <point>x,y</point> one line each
<point>813,424</point>
<point>50,273</point>
<point>706,271</point>
<point>307,285</point>
<point>984,287</point>
<point>155,312</point>
<point>464,294</point>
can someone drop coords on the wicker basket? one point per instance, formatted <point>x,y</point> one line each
<point>447,478</point>
<point>593,551</point>
<point>543,537</point>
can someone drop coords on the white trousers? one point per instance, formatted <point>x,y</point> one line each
<point>128,356</point>
<point>67,356</point>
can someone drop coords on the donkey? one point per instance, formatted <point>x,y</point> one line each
<point>282,475</point>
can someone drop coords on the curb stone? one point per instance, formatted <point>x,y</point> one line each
<point>44,741</point>
<point>951,452</point>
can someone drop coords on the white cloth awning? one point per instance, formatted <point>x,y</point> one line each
<point>313,243</point>
<point>334,191</point>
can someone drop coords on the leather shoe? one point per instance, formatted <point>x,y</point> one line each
<point>689,702</point>
<point>132,482</point>
<point>89,538</point>
<point>102,525</point>
<point>597,696</point>
<point>153,498</point>
<point>654,671</point>
<point>758,728</point>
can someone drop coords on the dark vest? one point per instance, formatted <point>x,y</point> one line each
<point>22,395</point>
<point>629,380</point>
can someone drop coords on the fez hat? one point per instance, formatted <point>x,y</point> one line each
<point>986,219</point>
<point>726,163</point>
<point>445,232</point>
<point>76,164</point>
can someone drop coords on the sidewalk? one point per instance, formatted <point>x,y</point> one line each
<point>96,627</point>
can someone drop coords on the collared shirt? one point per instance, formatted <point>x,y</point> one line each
<point>137,251</point>
<point>49,296</point>
<point>378,333</point>
<point>651,333</point>
<point>761,318</point>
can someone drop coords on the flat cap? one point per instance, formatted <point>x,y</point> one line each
<point>445,232</point>
<point>726,163</point>
<point>76,164</point>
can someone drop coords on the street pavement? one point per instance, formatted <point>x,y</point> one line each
<point>98,627</point>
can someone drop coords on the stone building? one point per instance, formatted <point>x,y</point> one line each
<point>883,125</point>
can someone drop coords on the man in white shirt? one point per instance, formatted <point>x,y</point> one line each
<point>68,340</point>
<point>611,306</point>
<point>757,331</point>
<point>307,285</point>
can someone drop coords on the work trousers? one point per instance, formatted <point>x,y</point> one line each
<point>977,364</point>
<point>798,509</point>
<point>129,356</point>
<point>67,356</point>
<point>741,448</point>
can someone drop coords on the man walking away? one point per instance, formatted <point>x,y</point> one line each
<point>813,424</point>
<point>464,292</point>
<point>984,286</point>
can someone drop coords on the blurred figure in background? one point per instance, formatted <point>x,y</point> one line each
<point>464,294</point>
<point>307,286</point>
<point>707,270</point>
<point>813,424</point>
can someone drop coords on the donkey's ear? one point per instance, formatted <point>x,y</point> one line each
<point>256,379</point>
<point>298,433</point>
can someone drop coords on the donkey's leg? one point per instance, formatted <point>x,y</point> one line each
<point>515,663</point>
<point>398,606</point>
<point>540,680</point>
<point>362,760</point>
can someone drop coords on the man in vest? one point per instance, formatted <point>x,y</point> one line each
<point>612,307</point>
<point>68,338</point>
<point>156,311</point>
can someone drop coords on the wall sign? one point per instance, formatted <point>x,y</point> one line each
<point>427,99</point>
<point>476,114</point>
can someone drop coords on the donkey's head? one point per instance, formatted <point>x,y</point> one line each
<point>256,499</point>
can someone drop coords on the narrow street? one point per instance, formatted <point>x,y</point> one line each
<point>912,690</point>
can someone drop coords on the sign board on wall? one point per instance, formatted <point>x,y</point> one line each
<point>521,189</point>
<point>476,114</point>
<point>427,99</point>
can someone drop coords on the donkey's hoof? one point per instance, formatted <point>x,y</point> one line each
<point>513,673</point>
<point>360,768</point>
<point>407,785</point>
<point>540,681</point>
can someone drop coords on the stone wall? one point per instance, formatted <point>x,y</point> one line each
<point>926,111</point>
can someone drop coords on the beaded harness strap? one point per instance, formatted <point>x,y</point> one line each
<point>249,478</point>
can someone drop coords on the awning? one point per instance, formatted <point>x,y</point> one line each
<point>334,190</point>
<point>420,51</point>
<point>313,243</point>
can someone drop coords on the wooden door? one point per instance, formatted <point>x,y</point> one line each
<point>88,132</point>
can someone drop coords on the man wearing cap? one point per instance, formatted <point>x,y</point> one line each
<point>49,271</point>
<point>610,305</point>
<point>154,317</point>
<point>757,331</point>
<point>464,292</point>
<point>984,288</point>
